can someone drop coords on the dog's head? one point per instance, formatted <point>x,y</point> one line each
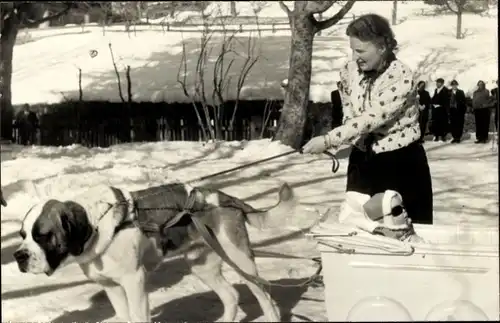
<point>53,233</point>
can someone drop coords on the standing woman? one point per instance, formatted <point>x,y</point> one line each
<point>380,122</point>
<point>481,103</point>
<point>424,105</point>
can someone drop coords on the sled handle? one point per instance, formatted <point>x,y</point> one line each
<point>405,250</point>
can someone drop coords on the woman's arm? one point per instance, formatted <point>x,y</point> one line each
<point>389,100</point>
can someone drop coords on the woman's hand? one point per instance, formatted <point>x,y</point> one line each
<point>317,145</point>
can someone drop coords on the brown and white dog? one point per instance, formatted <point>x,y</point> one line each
<point>95,229</point>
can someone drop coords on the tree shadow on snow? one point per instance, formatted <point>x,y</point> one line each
<point>209,308</point>
<point>7,253</point>
<point>39,290</point>
<point>167,274</point>
<point>9,236</point>
<point>156,78</point>
<point>208,152</point>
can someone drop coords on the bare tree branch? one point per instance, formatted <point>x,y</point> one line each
<point>285,8</point>
<point>250,61</point>
<point>120,92</point>
<point>327,23</point>
<point>182,82</point>
<point>318,6</point>
<point>447,2</point>
<point>32,23</point>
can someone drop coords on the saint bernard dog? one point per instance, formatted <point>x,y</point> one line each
<point>103,231</point>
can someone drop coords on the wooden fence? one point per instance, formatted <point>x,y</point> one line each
<point>102,124</point>
<point>237,24</point>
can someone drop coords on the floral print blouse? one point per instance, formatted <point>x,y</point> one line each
<point>383,115</point>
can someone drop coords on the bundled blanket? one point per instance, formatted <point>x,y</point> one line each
<point>381,214</point>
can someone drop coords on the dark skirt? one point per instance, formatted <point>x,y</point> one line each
<point>404,170</point>
<point>482,118</point>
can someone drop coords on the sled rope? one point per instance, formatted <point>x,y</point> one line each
<point>211,240</point>
<point>207,233</point>
<point>335,168</point>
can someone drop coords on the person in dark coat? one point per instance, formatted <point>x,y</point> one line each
<point>27,123</point>
<point>424,105</point>
<point>440,107</point>
<point>494,95</point>
<point>481,102</point>
<point>337,113</point>
<point>457,112</point>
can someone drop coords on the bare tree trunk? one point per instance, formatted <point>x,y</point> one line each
<point>459,24</point>
<point>233,9</point>
<point>320,16</point>
<point>7,42</point>
<point>293,116</point>
<point>394,12</point>
<point>139,10</point>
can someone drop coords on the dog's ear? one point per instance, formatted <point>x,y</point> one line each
<point>75,223</point>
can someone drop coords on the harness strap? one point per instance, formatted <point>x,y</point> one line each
<point>212,241</point>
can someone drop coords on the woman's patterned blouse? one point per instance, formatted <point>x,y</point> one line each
<point>383,115</point>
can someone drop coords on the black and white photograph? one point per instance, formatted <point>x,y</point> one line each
<point>253,161</point>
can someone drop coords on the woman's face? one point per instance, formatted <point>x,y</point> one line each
<point>481,85</point>
<point>421,86</point>
<point>366,54</point>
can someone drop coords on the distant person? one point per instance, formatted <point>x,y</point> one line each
<point>27,124</point>
<point>458,108</point>
<point>494,95</point>
<point>424,105</point>
<point>481,102</point>
<point>337,113</point>
<point>440,105</point>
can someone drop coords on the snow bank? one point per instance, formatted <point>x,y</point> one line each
<point>154,56</point>
<point>29,174</point>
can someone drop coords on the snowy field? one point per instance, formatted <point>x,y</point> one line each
<point>465,180</point>
<point>427,44</point>
<point>465,176</point>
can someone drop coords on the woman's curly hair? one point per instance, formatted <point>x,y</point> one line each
<point>375,29</point>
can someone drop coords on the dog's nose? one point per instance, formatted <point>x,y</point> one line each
<point>21,255</point>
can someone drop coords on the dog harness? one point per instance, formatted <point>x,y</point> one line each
<point>193,209</point>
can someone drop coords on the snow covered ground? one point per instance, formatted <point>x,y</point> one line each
<point>465,180</point>
<point>48,64</point>
<point>465,176</point>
